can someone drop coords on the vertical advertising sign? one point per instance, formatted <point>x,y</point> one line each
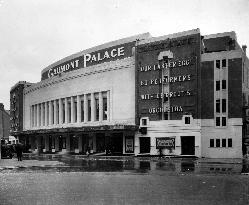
<point>129,144</point>
<point>167,73</point>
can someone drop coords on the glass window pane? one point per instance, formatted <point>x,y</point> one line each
<point>224,121</point>
<point>217,85</point>
<point>224,84</point>
<point>218,64</point>
<point>230,142</point>
<point>218,106</point>
<point>224,104</point>
<point>211,142</point>
<point>217,142</point>
<point>224,63</point>
<point>217,121</point>
<point>224,143</point>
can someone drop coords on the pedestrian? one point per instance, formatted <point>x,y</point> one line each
<point>19,151</point>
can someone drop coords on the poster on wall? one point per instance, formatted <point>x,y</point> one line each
<point>129,144</point>
<point>165,142</point>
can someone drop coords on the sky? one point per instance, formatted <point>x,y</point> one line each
<point>37,33</point>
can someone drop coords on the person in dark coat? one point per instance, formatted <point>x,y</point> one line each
<point>19,150</point>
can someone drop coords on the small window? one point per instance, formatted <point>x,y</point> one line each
<point>144,122</point>
<point>224,105</point>
<point>211,142</point>
<point>217,142</point>
<point>217,121</point>
<point>224,63</point>
<point>224,121</point>
<point>224,84</point>
<point>187,120</point>
<point>218,106</point>
<point>230,142</point>
<point>224,144</point>
<point>217,85</point>
<point>218,64</point>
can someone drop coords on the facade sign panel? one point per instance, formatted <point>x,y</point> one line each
<point>129,144</point>
<point>165,142</point>
<point>167,78</point>
<point>89,59</point>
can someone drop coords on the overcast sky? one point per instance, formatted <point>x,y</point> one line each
<point>36,33</point>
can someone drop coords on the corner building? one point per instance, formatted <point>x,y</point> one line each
<point>180,94</point>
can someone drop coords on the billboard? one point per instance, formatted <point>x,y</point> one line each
<point>167,73</point>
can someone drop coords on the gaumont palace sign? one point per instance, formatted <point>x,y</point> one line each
<point>167,78</point>
<point>89,59</point>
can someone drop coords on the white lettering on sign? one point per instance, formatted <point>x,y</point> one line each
<point>57,70</point>
<point>89,58</point>
<point>171,64</point>
<point>165,109</point>
<point>180,93</point>
<point>166,79</point>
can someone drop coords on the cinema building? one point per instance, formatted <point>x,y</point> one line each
<point>179,94</point>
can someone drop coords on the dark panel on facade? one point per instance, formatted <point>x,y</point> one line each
<point>179,75</point>
<point>225,43</point>
<point>235,88</point>
<point>207,90</point>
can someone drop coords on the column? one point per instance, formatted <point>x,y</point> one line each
<point>32,143</point>
<point>60,111</point>
<point>85,108</point>
<point>50,113</point>
<point>94,143</point>
<point>39,145</point>
<point>93,107</point>
<point>68,146</point>
<point>46,113</point>
<point>72,110</point>
<point>80,143</point>
<point>42,114</point>
<point>56,143</point>
<point>100,107</point>
<point>66,111</point>
<point>78,109</point>
<point>31,117</point>
<point>108,106</point>
<point>46,138</point>
<point>38,115</point>
<point>55,112</point>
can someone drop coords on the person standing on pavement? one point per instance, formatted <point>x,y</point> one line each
<point>19,151</point>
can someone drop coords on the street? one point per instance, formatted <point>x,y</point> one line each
<point>124,180</point>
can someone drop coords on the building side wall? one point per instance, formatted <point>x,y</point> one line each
<point>207,90</point>
<point>232,131</point>
<point>116,77</point>
<point>235,88</point>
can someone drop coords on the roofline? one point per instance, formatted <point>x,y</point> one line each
<point>99,47</point>
<point>20,83</point>
<point>232,34</point>
<point>170,36</point>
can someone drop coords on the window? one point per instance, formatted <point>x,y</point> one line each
<point>97,109</point>
<point>63,112</point>
<point>82,110</point>
<point>69,112</point>
<point>75,111</point>
<point>224,84</point>
<point>52,112</point>
<point>217,121</point>
<point>144,121</point>
<point>224,142</point>
<point>224,104</point>
<point>104,108</point>
<point>218,106</point>
<point>89,109</point>
<point>217,85</point>
<point>217,142</point>
<point>211,142</point>
<point>224,121</point>
<point>229,142</point>
<point>224,63</point>
<point>218,64</point>
<point>187,120</point>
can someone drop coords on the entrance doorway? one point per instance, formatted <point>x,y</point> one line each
<point>188,145</point>
<point>116,141</point>
<point>144,144</point>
